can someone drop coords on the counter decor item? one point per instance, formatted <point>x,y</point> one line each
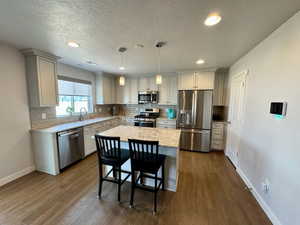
<point>171,113</point>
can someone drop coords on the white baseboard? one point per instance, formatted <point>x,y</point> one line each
<point>274,219</point>
<point>16,175</point>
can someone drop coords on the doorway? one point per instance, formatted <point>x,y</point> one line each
<point>236,116</point>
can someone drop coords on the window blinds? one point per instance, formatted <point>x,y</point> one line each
<point>66,87</point>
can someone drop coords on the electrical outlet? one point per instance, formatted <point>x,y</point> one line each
<point>99,110</point>
<point>265,186</point>
<point>44,116</point>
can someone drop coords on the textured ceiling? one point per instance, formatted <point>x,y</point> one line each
<point>101,26</point>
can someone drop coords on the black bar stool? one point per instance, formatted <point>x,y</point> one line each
<point>145,158</point>
<point>110,153</point>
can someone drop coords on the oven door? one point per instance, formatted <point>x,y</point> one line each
<point>144,124</point>
<point>147,124</point>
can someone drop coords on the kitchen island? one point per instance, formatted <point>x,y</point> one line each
<point>168,145</point>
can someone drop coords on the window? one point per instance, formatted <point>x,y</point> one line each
<point>73,95</point>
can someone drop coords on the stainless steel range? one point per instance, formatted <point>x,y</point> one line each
<point>147,117</point>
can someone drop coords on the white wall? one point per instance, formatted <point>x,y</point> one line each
<point>15,145</point>
<point>71,71</point>
<point>270,148</point>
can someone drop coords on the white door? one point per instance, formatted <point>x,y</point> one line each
<point>235,118</point>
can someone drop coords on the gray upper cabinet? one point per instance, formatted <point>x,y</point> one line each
<point>134,85</point>
<point>105,89</point>
<point>41,73</point>
<point>120,91</point>
<point>147,84</point>
<point>128,94</point>
<point>196,80</point>
<point>168,90</point>
<point>220,90</point>
<point>186,81</point>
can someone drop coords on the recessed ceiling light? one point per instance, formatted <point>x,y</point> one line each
<point>200,61</point>
<point>73,44</point>
<point>212,19</point>
<point>122,68</point>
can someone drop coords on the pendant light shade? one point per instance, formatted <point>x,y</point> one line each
<point>122,51</point>
<point>122,81</point>
<point>158,79</point>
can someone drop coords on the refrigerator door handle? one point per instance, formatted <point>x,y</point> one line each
<point>193,101</point>
<point>194,108</point>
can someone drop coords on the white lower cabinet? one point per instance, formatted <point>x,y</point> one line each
<point>166,123</point>
<point>91,130</point>
<point>218,136</point>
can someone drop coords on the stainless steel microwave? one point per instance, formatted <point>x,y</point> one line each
<point>146,97</point>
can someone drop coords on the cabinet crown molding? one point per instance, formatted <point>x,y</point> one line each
<point>36,52</point>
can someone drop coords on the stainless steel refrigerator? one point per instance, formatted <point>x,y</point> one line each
<point>194,119</point>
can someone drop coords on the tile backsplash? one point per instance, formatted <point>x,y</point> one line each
<point>37,121</point>
<point>132,110</point>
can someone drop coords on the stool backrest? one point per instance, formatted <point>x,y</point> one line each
<point>141,150</point>
<point>108,147</point>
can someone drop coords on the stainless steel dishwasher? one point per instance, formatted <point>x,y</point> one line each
<point>70,147</point>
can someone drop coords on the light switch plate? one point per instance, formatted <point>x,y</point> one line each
<point>44,116</point>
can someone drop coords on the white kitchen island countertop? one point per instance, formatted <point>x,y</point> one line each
<point>166,137</point>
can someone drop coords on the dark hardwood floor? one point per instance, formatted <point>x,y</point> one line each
<point>210,193</point>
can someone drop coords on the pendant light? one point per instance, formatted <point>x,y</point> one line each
<point>158,77</point>
<point>122,81</point>
<point>122,51</point>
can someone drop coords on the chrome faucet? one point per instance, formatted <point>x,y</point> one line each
<point>82,112</point>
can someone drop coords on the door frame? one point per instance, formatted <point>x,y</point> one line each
<point>244,76</point>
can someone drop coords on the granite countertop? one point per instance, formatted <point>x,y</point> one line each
<point>166,137</point>
<point>68,126</point>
